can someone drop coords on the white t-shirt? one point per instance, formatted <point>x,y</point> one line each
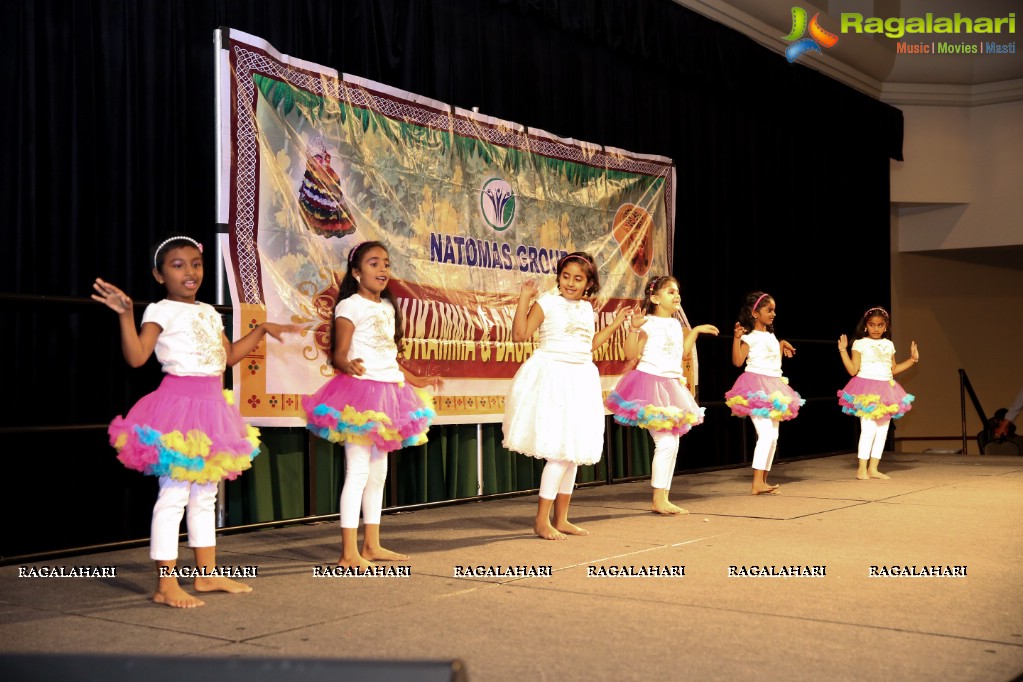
<point>567,328</point>
<point>875,358</point>
<point>662,354</point>
<point>192,341</point>
<point>373,339</point>
<point>764,353</point>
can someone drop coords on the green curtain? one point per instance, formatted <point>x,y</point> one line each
<point>297,474</point>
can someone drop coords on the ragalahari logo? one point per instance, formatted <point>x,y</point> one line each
<point>818,36</point>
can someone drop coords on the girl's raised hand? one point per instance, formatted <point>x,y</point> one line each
<point>914,352</point>
<point>739,330</point>
<point>278,330</point>
<point>621,315</point>
<point>843,342</point>
<point>111,296</point>
<point>787,349</point>
<point>529,288</point>
<point>706,329</point>
<point>637,319</point>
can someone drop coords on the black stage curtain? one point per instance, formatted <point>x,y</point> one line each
<point>783,173</point>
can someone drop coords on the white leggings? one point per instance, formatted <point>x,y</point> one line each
<point>558,478</point>
<point>872,438</point>
<point>365,473</point>
<point>662,468</point>
<point>201,502</point>
<point>767,442</point>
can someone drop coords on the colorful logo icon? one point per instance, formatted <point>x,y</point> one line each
<point>497,204</point>
<point>818,36</point>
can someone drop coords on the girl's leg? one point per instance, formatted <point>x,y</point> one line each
<point>202,538</point>
<point>878,449</point>
<point>356,477</point>
<point>776,425</point>
<point>661,470</point>
<point>163,543</point>
<point>550,484</point>
<point>372,506</point>
<point>563,500</point>
<point>868,432</point>
<point>763,453</point>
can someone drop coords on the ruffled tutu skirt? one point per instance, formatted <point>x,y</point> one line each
<point>188,429</point>
<point>875,399</point>
<point>654,403</point>
<point>366,412</point>
<point>554,410</point>
<point>758,395</point>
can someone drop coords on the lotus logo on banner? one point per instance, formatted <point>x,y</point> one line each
<point>497,203</point>
<point>818,36</point>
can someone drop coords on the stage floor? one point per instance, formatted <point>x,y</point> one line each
<point>940,513</point>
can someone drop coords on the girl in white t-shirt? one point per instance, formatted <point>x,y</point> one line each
<point>872,394</point>
<point>761,392</point>
<point>372,404</point>
<point>554,409</point>
<point>654,396</point>
<point>188,432</point>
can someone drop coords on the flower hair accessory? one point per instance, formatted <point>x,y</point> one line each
<point>878,309</point>
<point>165,242</point>
<point>654,284</point>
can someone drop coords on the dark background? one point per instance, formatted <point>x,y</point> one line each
<point>783,178</point>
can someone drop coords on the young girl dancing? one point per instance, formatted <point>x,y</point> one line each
<point>554,409</point>
<point>654,396</point>
<point>188,432</point>
<point>872,394</point>
<point>761,392</point>
<point>370,405</point>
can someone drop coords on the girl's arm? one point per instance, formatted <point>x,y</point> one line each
<point>852,364</point>
<point>237,350</point>
<point>527,318</point>
<point>740,349</point>
<point>635,337</point>
<point>787,349</point>
<point>433,382</point>
<point>135,346</point>
<point>690,340</point>
<point>601,337</point>
<point>343,331</point>
<point>914,357</point>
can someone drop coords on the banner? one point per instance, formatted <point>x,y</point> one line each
<point>311,163</point>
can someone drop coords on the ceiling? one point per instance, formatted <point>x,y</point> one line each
<point>870,63</point>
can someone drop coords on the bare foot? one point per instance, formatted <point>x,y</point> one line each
<point>217,583</point>
<point>173,595</point>
<point>764,490</point>
<point>547,531</point>
<point>878,474</point>
<point>358,562</point>
<point>666,507</point>
<point>381,554</point>
<point>569,528</point>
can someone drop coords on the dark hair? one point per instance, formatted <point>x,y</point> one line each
<point>349,285</point>
<point>159,250</point>
<point>876,311</point>
<point>758,299</point>
<point>653,287</point>
<point>585,260</point>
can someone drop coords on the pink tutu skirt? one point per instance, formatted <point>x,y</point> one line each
<point>188,429</point>
<point>875,399</point>
<point>757,395</point>
<point>365,412</point>
<point>655,403</point>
